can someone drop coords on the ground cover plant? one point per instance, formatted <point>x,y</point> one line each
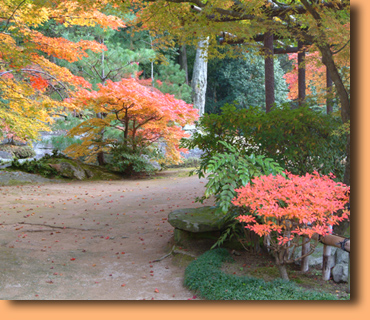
<point>205,277</point>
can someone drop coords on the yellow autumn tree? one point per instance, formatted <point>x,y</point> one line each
<point>32,87</point>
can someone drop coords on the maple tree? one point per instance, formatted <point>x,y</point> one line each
<point>32,87</point>
<point>286,208</point>
<point>141,115</point>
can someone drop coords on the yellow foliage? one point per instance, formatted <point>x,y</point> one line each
<point>26,77</point>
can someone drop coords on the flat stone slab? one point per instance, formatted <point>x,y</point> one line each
<point>203,219</point>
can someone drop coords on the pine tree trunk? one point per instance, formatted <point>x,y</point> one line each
<point>183,61</point>
<point>100,158</point>
<point>199,81</point>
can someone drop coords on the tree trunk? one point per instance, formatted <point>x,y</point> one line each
<point>327,59</point>
<point>329,92</point>
<point>183,61</point>
<point>269,71</point>
<point>325,263</point>
<point>301,74</point>
<point>282,269</point>
<point>305,250</point>
<point>199,81</point>
<point>100,158</point>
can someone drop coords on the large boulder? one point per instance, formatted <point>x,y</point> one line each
<point>340,272</point>
<point>5,155</point>
<point>74,169</point>
<point>341,256</point>
<point>69,170</point>
<point>203,219</point>
<point>197,228</point>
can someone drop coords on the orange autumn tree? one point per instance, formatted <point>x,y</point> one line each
<point>136,116</point>
<point>32,88</point>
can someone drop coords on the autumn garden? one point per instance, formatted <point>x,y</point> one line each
<point>251,95</point>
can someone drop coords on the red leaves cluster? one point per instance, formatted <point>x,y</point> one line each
<point>37,82</point>
<point>64,49</point>
<point>303,205</point>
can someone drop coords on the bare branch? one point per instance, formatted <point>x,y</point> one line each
<point>339,50</point>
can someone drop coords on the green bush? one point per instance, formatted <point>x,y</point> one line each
<point>204,276</point>
<point>36,166</point>
<point>191,162</point>
<point>299,140</point>
<point>127,161</point>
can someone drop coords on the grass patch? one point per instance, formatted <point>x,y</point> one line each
<point>205,278</point>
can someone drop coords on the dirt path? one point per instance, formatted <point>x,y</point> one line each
<point>92,240</point>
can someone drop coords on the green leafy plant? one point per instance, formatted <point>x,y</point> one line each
<point>226,172</point>
<point>123,159</point>
<point>35,166</point>
<point>299,140</point>
<point>230,170</point>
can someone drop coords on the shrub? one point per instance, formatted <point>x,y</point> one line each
<point>284,208</point>
<point>127,161</point>
<point>299,140</point>
<point>35,166</point>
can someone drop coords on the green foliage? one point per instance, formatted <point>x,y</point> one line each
<point>299,140</point>
<point>121,58</point>
<point>40,167</point>
<point>242,82</point>
<point>128,161</point>
<point>231,170</point>
<point>204,276</point>
<point>173,81</point>
<point>191,162</point>
<point>19,152</point>
<point>61,142</point>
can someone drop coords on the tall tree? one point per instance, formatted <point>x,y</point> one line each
<point>323,24</point>
<point>199,80</point>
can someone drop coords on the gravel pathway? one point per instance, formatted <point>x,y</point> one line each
<point>18,178</point>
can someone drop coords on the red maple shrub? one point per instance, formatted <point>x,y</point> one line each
<point>282,209</point>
